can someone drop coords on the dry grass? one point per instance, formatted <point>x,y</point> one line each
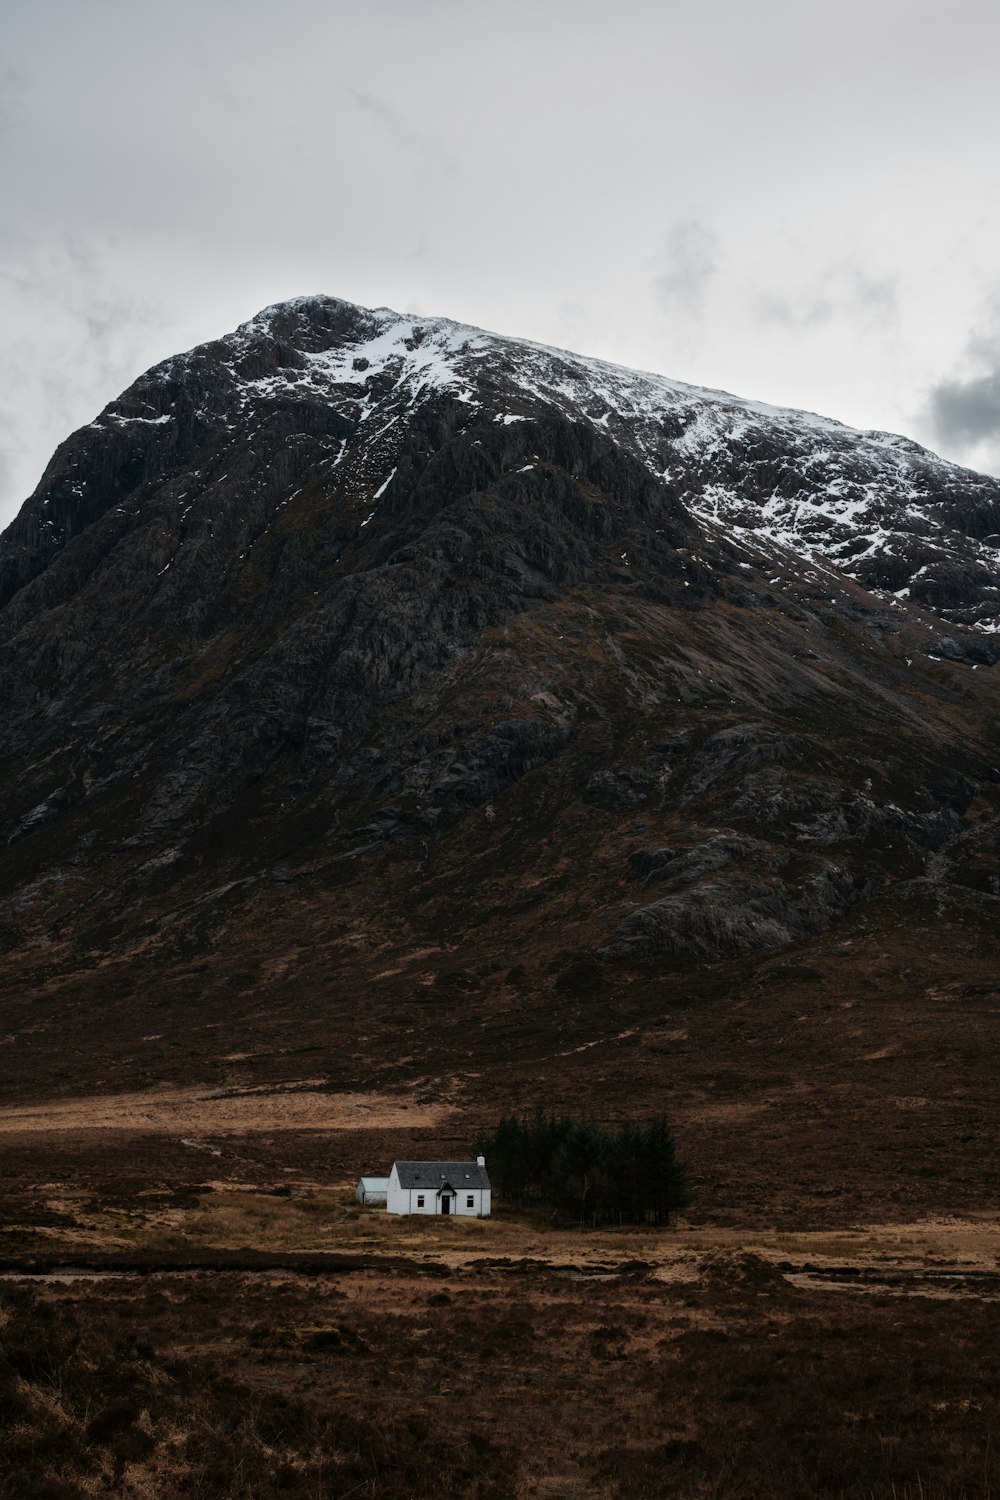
<point>307,1218</point>
<point>495,1381</point>
<point>496,1360</point>
<point>303,1105</point>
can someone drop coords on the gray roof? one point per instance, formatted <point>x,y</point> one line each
<point>435,1174</point>
<point>375,1184</point>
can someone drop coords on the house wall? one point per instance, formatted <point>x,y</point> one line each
<point>369,1196</point>
<point>404,1200</point>
<point>481,1203</point>
<point>401,1200</point>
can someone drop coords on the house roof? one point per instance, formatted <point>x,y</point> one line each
<point>374,1184</point>
<point>434,1174</point>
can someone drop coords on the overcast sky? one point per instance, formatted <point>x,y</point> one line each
<point>790,199</point>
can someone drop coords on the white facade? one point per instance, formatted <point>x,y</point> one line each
<point>460,1188</point>
<point>371,1190</point>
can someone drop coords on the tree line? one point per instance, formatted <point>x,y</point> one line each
<point>587,1174</point>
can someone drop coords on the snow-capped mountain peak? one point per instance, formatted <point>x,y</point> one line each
<point>877,506</point>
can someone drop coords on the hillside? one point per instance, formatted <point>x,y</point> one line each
<point>399,708</point>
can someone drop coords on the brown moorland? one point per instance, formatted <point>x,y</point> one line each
<point>342,815</point>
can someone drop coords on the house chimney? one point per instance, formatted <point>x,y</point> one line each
<point>480,1161</point>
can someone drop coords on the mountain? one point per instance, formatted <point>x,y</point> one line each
<point>380,688</point>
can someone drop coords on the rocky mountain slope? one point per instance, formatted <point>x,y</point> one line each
<point>361,655</point>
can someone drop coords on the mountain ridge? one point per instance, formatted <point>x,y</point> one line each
<point>340,707</point>
<point>291,349</point>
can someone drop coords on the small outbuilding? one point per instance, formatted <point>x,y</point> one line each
<point>372,1190</point>
<point>440,1187</point>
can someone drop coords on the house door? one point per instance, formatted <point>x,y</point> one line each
<point>446,1203</point>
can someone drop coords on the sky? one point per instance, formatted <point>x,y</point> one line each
<point>792,200</point>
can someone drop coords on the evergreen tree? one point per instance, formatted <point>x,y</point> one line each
<point>587,1174</point>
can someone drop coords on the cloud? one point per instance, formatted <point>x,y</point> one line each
<point>7,456</point>
<point>75,334</point>
<point>689,262</point>
<point>76,281</point>
<point>400,130</point>
<point>844,290</point>
<point>967,412</point>
<point>13,88</point>
<point>962,411</point>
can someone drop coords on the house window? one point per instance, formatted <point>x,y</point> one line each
<point>420,1200</point>
<point>470,1201</point>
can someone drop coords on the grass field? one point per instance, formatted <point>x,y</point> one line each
<point>211,1315</point>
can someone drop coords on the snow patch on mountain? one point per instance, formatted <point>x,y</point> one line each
<point>875,506</point>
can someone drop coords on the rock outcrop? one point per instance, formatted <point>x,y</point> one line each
<point>346,583</point>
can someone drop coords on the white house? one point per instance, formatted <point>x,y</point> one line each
<point>371,1190</point>
<point>439,1187</point>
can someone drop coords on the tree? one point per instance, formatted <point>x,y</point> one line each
<point>628,1176</point>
